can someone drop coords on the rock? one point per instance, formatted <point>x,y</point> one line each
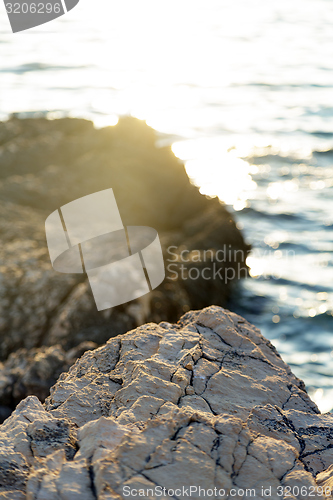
<point>47,163</point>
<point>206,402</point>
<point>33,372</point>
<point>325,480</point>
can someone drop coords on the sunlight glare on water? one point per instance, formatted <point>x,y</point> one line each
<point>216,171</point>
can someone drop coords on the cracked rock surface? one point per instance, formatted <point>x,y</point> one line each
<point>205,402</point>
<point>45,164</point>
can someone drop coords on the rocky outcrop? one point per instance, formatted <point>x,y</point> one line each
<point>206,402</point>
<point>33,372</point>
<point>46,163</point>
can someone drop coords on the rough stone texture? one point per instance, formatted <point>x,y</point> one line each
<point>47,163</point>
<point>206,402</point>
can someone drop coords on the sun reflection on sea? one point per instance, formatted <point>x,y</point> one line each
<point>217,171</point>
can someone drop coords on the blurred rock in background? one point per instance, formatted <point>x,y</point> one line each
<point>47,163</point>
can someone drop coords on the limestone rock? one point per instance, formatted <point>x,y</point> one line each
<point>206,402</point>
<point>47,163</point>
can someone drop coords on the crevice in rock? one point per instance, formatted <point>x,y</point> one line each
<point>159,485</point>
<point>292,428</point>
<point>92,481</point>
<point>290,389</point>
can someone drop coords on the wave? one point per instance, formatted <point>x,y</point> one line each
<point>36,66</point>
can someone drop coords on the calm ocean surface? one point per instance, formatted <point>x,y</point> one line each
<point>244,90</point>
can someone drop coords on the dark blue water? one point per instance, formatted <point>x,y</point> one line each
<point>289,223</point>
